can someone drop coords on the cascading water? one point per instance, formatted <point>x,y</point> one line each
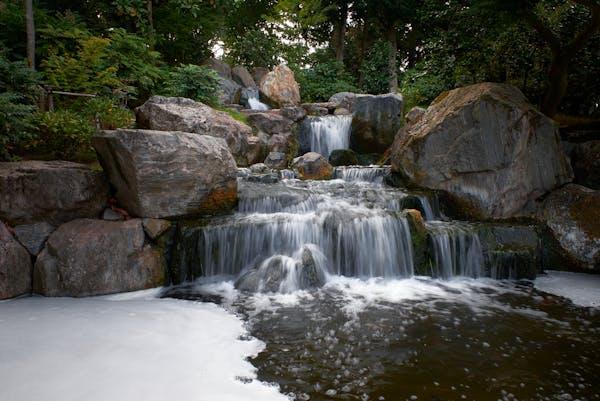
<point>456,249</point>
<point>253,100</point>
<point>324,134</point>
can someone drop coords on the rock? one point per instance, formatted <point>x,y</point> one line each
<point>343,157</point>
<point>585,159</point>
<point>311,268</point>
<point>258,73</point>
<point>572,213</point>
<point>168,174</point>
<point>284,143</point>
<point>52,192</point>
<point>181,114</point>
<point>340,111</point>
<point>242,76</point>
<point>279,87</point>
<point>312,166</point>
<point>294,113</point>
<point>221,68</point>
<point>111,215</point>
<point>257,149</point>
<point>319,109</point>
<point>93,257</point>
<point>270,123</point>
<point>276,160</point>
<point>419,236</point>
<point>229,92</point>
<point>245,96</point>
<point>33,236</point>
<point>154,228</point>
<point>15,266</point>
<point>375,122</point>
<point>487,147</point>
<point>344,100</point>
<point>259,168</point>
<point>414,115</point>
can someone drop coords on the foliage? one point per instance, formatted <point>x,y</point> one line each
<point>236,115</point>
<point>18,90</point>
<point>256,48</point>
<point>374,69</point>
<point>104,113</point>
<point>322,80</point>
<point>62,134</point>
<point>194,82</point>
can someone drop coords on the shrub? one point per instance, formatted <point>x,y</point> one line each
<point>375,69</point>
<point>322,80</point>
<point>105,112</point>
<point>194,82</point>
<point>62,134</point>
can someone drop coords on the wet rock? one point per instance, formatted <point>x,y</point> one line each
<point>92,257</point>
<point>487,147</point>
<point>375,122</point>
<point>585,159</point>
<point>33,236</point>
<point>241,75</point>
<point>168,174</point>
<point>312,166</point>
<point>277,160</point>
<point>15,266</point>
<point>344,100</point>
<point>279,87</point>
<point>293,113</point>
<point>270,123</point>
<point>259,168</point>
<point>181,114</point>
<point>343,157</point>
<point>220,67</point>
<point>154,228</point>
<point>311,270</point>
<point>418,235</point>
<point>52,192</point>
<point>111,215</point>
<point>572,214</point>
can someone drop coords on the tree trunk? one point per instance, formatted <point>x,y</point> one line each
<point>557,85</point>
<point>150,11</point>
<point>392,64</point>
<point>30,33</point>
<point>339,32</point>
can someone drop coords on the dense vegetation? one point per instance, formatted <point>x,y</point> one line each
<point>123,51</point>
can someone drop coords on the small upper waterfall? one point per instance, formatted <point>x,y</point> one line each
<point>324,134</point>
<point>253,99</point>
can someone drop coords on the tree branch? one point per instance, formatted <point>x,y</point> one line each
<point>545,33</point>
<point>594,25</point>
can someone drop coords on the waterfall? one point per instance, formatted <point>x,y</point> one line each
<point>456,250</point>
<point>373,175</point>
<point>326,133</point>
<point>252,99</point>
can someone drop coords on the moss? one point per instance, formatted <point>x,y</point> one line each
<point>236,115</point>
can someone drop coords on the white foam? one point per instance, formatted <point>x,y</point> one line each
<point>125,347</point>
<point>581,288</point>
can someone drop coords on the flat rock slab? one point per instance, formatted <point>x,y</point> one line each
<point>161,174</point>
<point>50,191</point>
<point>92,257</point>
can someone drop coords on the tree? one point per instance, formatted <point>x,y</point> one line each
<point>30,33</point>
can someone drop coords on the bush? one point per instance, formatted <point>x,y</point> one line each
<point>375,69</point>
<point>105,113</point>
<point>62,134</point>
<point>324,79</point>
<point>18,90</point>
<point>194,82</point>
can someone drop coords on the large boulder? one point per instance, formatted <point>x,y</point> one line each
<point>258,73</point>
<point>229,91</point>
<point>53,191</point>
<point>276,160</point>
<point>375,122</point>
<point>572,213</point>
<point>220,67</point>
<point>343,100</point>
<point>181,114</point>
<point>168,174</point>
<point>312,166</point>
<point>92,257</point>
<point>15,266</point>
<point>487,147</point>
<point>241,75</point>
<point>279,87</point>
<point>270,123</point>
<point>585,159</point>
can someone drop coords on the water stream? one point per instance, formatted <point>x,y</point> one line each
<point>324,134</point>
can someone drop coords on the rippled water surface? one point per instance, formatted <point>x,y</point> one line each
<point>419,339</point>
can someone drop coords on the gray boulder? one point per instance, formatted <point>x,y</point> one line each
<point>487,147</point>
<point>241,75</point>
<point>181,114</point>
<point>572,214</point>
<point>375,123</point>
<point>585,159</point>
<point>15,266</point>
<point>168,174</point>
<point>53,191</point>
<point>294,113</point>
<point>312,166</point>
<point>270,123</point>
<point>92,257</point>
<point>220,67</point>
<point>276,160</point>
<point>257,149</point>
<point>343,100</point>
<point>33,236</point>
<point>229,92</point>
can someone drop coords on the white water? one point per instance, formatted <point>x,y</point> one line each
<point>581,288</point>
<point>126,347</point>
<point>457,251</point>
<point>253,100</point>
<point>328,133</point>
